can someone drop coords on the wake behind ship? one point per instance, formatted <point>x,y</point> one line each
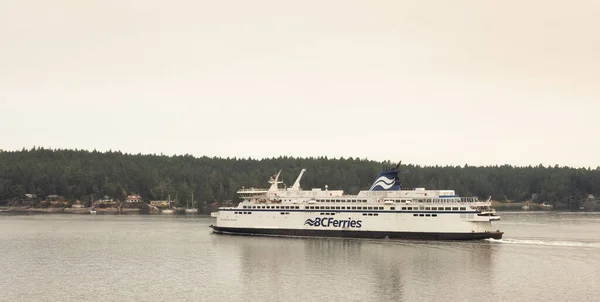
<point>383,211</point>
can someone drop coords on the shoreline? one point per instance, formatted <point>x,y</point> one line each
<point>86,211</point>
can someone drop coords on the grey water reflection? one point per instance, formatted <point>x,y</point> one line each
<point>359,269</point>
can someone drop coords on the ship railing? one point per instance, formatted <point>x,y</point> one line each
<point>454,200</point>
<point>252,190</point>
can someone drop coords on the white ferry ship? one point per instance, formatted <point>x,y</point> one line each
<point>383,211</point>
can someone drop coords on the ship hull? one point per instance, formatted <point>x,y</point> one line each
<point>358,234</point>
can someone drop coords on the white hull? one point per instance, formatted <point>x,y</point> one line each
<point>385,221</point>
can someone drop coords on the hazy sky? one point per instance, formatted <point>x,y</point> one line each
<point>426,82</point>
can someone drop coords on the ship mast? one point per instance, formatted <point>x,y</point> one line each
<point>274,181</point>
<point>296,185</point>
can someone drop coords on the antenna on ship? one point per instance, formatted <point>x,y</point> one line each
<point>398,165</point>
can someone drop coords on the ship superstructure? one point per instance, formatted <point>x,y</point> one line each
<point>385,210</point>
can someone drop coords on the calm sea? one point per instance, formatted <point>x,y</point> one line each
<point>544,257</point>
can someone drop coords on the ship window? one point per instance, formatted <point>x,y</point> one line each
<point>234,212</point>
<point>434,215</point>
<point>297,207</point>
<point>343,208</point>
<point>364,214</point>
<point>370,214</point>
<point>375,214</point>
<point>321,214</point>
<point>416,215</point>
<point>433,208</point>
<point>327,208</point>
<point>427,208</point>
<point>332,214</point>
<point>448,208</point>
<point>353,208</point>
<point>244,207</point>
<point>427,215</point>
<point>403,200</point>
<point>463,208</point>
<point>392,208</point>
<point>282,213</point>
<point>381,208</point>
<point>454,208</point>
<point>369,208</point>
<point>421,215</point>
<point>353,200</point>
<point>404,208</point>
<point>337,208</point>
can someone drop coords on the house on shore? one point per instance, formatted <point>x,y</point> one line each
<point>134,198</point>
<point>55,200</point>
<point>159,203</point>
<point>77,204</point>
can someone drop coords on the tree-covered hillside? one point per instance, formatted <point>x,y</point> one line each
<point>76,174</point>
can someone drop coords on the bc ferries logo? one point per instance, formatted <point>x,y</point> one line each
<point>383,182</point>
<point>332,222</point>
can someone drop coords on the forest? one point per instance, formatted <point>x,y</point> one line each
<point>77,174</point>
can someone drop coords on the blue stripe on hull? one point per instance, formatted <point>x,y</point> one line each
<point>350,211</point>
<point>358,234</point>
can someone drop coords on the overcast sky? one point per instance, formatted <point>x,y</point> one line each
<point>426,82</point>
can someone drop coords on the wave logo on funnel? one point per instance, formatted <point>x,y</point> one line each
<point>383,182</point>
<point>387,180</point>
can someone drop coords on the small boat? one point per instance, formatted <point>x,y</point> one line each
<point>189,210</point>
<point>92,207</point>
<point>168,210</point>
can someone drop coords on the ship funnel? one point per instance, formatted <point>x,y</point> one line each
<point>387,180</point>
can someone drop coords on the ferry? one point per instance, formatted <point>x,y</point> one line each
<point>384,211</point>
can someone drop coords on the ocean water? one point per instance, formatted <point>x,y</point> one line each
<point>544,256</point>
